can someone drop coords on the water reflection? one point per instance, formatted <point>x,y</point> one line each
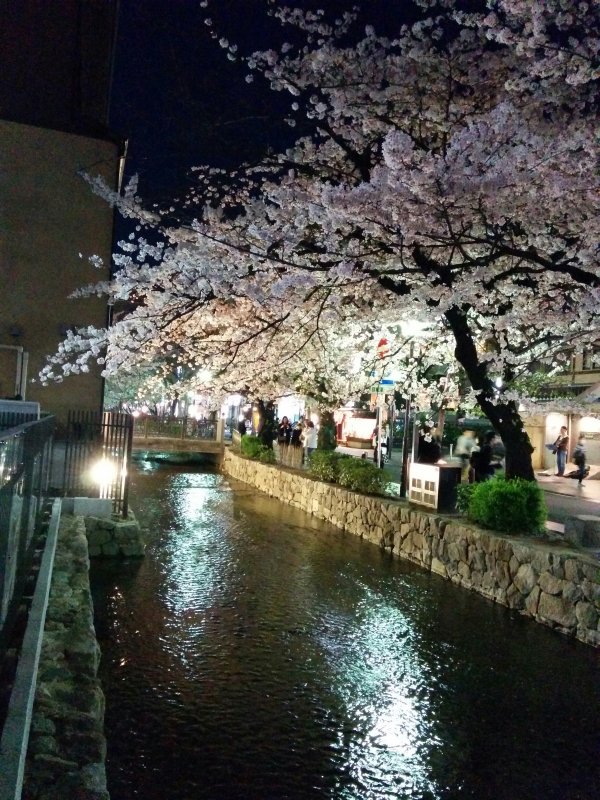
<point>257,653</point>
<point>380,680</point>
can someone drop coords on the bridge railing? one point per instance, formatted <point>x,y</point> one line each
<point>175,428</point>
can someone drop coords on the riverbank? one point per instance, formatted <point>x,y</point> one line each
<point>552,583</point>
<point>67,747</point>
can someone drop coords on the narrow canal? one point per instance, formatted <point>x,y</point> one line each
<point>256,654</point>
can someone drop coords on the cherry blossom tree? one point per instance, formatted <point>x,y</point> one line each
<point>453,171</point>
<point>450,176</point>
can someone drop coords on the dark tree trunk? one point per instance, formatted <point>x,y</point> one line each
<point>326,438</point>
<point>267,430</point>
<point>504,416</point>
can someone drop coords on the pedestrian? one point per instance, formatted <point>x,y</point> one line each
<point>465,444</point>
<point>284,431</point>
<point>561,448</point>
<point>309,438</point>
<point>296,435</point>
<point>429,450</point>
<point>482,459</point>
<point>579,458</point>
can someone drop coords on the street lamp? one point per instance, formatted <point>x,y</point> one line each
<point>411,329</point>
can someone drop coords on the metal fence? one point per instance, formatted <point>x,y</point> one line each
<point>97,455</point>
<point>174,428</point>
<point>12,419</point>
<point>25,455</point>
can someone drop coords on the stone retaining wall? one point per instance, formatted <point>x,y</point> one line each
<point>67,748</point>
<point>114,537</point>
<point>553,584</point>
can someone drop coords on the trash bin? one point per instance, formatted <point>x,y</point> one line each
<point>434,485</point>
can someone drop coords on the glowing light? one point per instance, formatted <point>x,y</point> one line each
<point>414,327</point>
<point>104,472</point>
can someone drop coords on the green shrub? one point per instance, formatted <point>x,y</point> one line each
<point>464,492</point>
<point>514,506</point>
<point>361,475</point>
<point>324,465</point>
<point>252,447</point>
<point>267,455</point>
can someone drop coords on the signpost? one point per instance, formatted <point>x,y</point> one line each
<point>385,386</point>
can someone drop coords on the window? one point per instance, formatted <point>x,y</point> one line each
<point>591,359</point>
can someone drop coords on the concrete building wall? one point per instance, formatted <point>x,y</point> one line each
<point>55,61</point>
<point>48,216</point>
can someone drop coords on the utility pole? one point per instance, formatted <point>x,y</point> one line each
<point>404,475</point>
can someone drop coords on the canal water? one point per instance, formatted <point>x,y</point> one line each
<point>257,654</point>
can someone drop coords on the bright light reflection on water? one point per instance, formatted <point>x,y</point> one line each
<point>376,674</point>
<point>256,653</point>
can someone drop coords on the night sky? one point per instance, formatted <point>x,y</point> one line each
<point>181,103</point>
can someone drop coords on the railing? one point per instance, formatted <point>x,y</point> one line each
<point>174,428</point>
<point>97,455</point>
<point>25,456</point>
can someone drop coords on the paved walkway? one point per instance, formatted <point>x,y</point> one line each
<point>564,497</point>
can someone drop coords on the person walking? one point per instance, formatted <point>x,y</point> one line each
<point>429,450</point>
<point>482,460</point>
<point>561,448</point>
<point>309,438</point>
<point>579,458</point>
<point>465,444</point>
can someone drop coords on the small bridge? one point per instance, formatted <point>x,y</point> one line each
<point>177,440</point>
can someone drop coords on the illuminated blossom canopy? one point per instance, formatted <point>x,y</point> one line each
<point>451,176</point>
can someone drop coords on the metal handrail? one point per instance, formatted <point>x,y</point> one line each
<point>25,455</point>
<point>15,732</point>
<point>174,428</point>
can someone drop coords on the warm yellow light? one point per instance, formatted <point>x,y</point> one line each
<point>103,472</point>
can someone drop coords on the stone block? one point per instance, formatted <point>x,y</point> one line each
<point>439,568</point>
<point>133,549</point>
<point>583,530</point>
<point>572,591</point>
<point>503,574</point>
<point>110,549</point>
<point>98,537</point>
<point>457,551</point>
<point>525,579</point>
<point>591,591</point>
<point>548,583</point>
<point>514,598</point>
<point>586,614</point>
<point>557,610</point>
<point>92,507</point>
<point>572,571</point>
<point>126,531</point>
<point>464,571</point>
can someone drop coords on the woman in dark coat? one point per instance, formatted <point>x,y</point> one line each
<point>430,450</point>
<point>284,431</point>
<point>481,460</point>
<point>295,440</point>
